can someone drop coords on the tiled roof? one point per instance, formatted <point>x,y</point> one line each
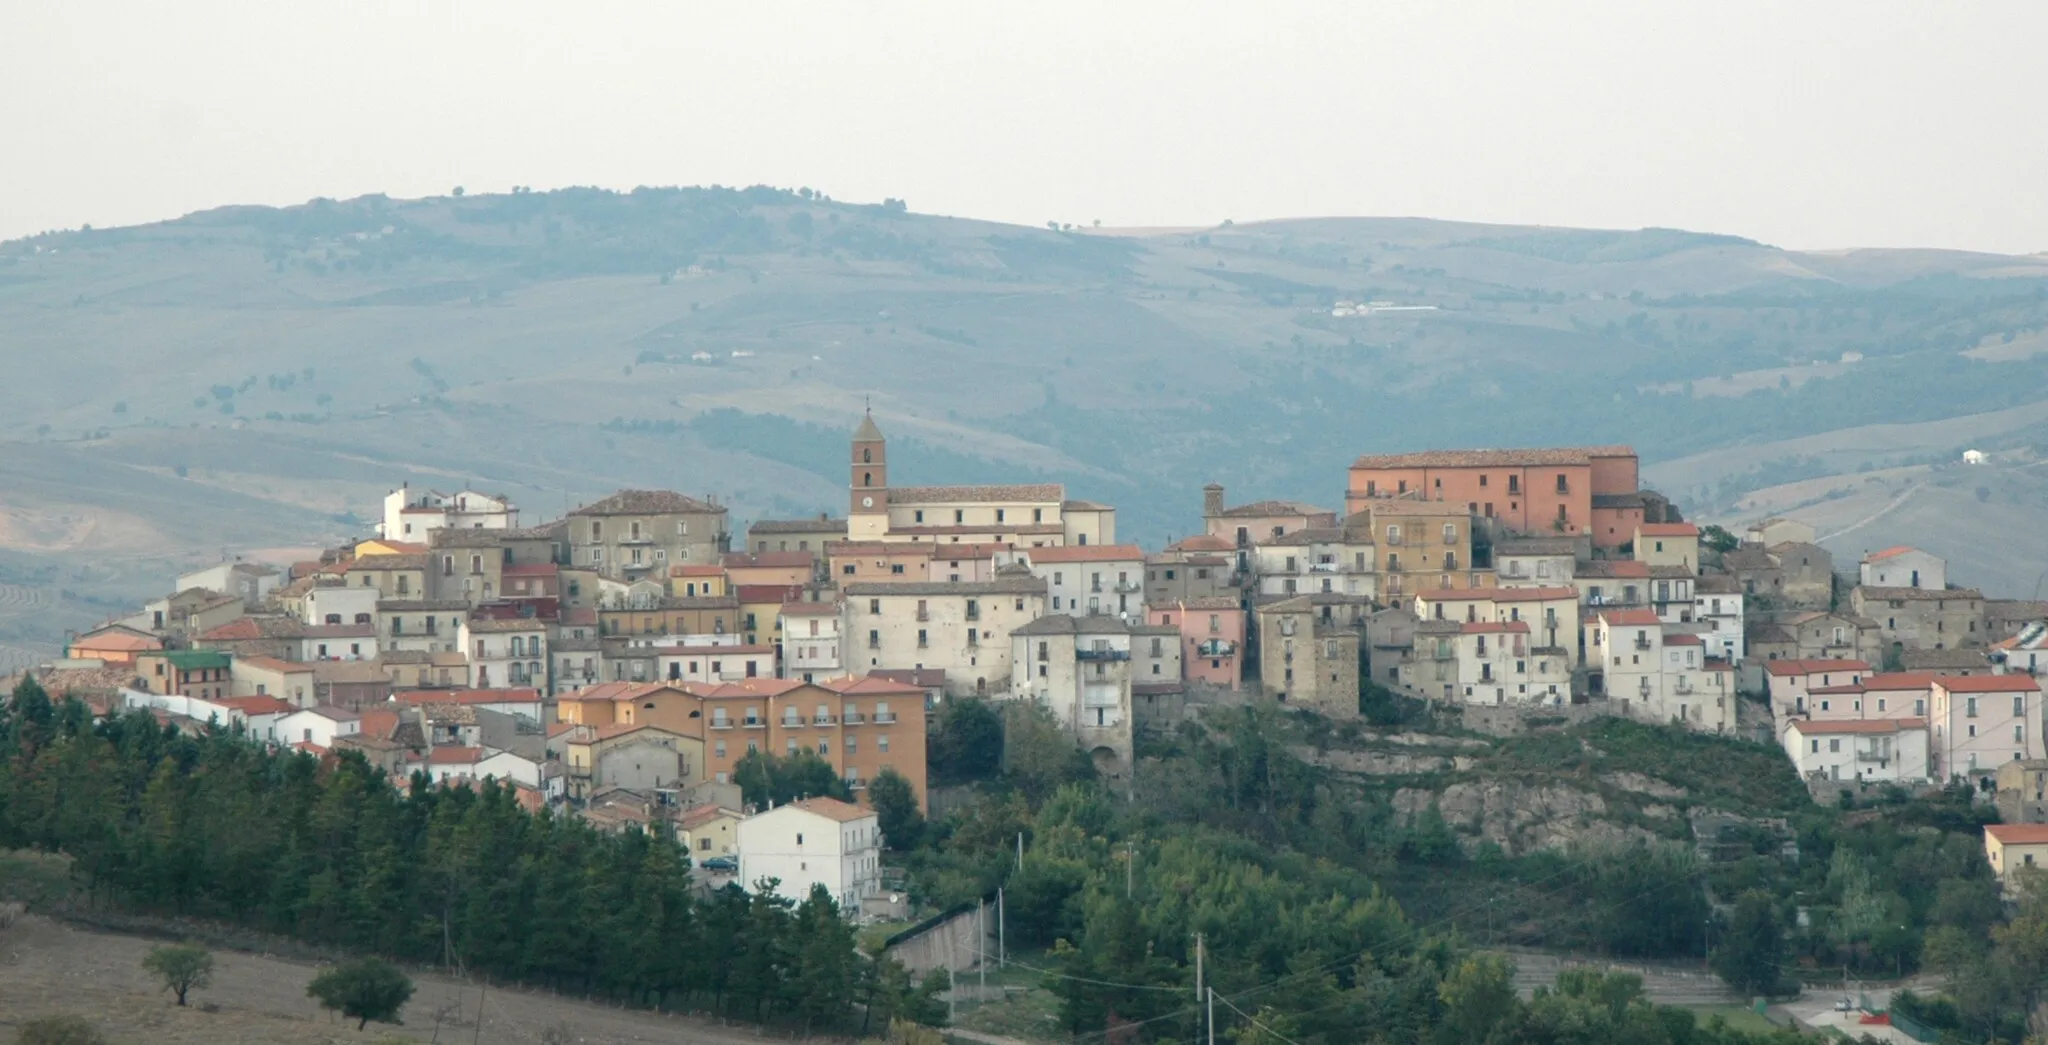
<point>647,502</point>
<point>381,563</point>
<point>1066,624</point>
<point>1748,559</point>
<point>274,664</point>
<point>1535,546</point>
<point>1682,638</point>
<point>1919,594</point>
<point>902,682</point>
<point>700,815</point>
<point>1891,552</point>
<point>1001,586</point>
<point>466,537</point>
<point>532,569</point>
<point>1085,506</point>
<point>1088,553</point>
<point>1563,455</point>
<point>754,687</point>
<point>1629,618</point>
<point>775,593</point>
<point>1304,536</point>
<point>422,605</point>
<point>833,809</point>
<point>1401,507</point>
<point>1716,584</point>
<point>450,755</point>
<point>1814,666</point>
<point>1210,602</point>
<point>1263,509</point>
<point>467,696</point>
<point>260,705</point>
<point>1943,659</point>
<point>2018,834</point>
<point>977,494</point>
<point>1809,728</point>
<point>339,631</point>
<point>798,526</point>
<point>1530,594</point>
<point>332,713</point>
<point>1987,683</point>
<point>1619,569</point>
<point>117,641</point>
<point>1202,542</point>
<point>497,624</point>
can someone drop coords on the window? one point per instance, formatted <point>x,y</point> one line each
<point>1450,533</point>
<point>2019,707</point>
<point>1834,744</point>
<point>882,743</point>
<point>874,605</point>
<point>852,744</point>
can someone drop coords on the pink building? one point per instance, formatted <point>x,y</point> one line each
<point>1211,636</point>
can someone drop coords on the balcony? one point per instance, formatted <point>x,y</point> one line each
<point>885,718</point>
<point>721,723</point>
<point>755,723</point>
<point>854,718</point>
<point>1217,648</point>
<point>823,720</point>
<point>1879,757</point>
<point>792,723</point>
<point>1128,587</point>
<point>1102,654</point>
<point>1642,643</point>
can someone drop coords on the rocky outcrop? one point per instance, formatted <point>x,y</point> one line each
<point>1644,785</point>
<point>1384,763</point>
<point>1521,819</point>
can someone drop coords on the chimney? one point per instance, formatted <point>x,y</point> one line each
<point>1212,500</point>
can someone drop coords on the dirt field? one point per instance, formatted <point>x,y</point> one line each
<point>49,968</point>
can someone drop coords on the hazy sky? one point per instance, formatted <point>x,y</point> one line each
<point>1817,123</point>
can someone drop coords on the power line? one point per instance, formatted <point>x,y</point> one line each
<point>1254,1021</point>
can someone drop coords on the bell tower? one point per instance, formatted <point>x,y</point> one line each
<point>867,517</point>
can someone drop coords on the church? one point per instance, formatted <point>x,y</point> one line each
<point>1023,515</point>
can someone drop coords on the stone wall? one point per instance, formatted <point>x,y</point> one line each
<point>948,942</point>
<point>1510,720</point>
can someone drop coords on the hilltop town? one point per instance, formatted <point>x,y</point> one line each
<point>620,663</point>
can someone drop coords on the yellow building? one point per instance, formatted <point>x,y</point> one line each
<point>710,831</point>
<point>1668,544</point>
<point>1421,546</point>
<point>2013,848</point>
<point>380,546</point>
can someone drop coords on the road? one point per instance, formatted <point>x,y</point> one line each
<point>1666,983</point>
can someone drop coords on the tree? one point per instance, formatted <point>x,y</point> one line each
<point>1718,539</point>
<point>1477,996</point>
<point>182,967</point>
<point>969,742</point>
<point>364,989</point>
<point>1752,945</point>
<point>895,802</point>
<point>59,1030</point>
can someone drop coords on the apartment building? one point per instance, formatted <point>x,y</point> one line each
<point>1092,579</point>
<point>1212,636</point>
<point>1530,492</point>
<point>1309,656</point>
<point>962,629</point>
<point>634,534</point>
<point>1981,722</point>
<point>1420,545</point>
<point>411,515</point>
<point>1323,559</point>
<point>811,640</point>
<point>1081,668</point>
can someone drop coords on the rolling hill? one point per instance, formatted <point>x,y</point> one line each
<point>256,377</point>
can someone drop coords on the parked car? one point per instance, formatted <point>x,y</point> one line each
<point>720,864</point>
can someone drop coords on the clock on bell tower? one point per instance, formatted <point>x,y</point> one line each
<point>868,487</point>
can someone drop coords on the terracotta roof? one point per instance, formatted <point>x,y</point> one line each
<point>332,713</point>
<point>339,631</point>
<point>2018,834</point>
<point>245,628</point>
<point>121,641</point>
<point>1087,553</point>
<point>1495,627</point>
<point>1202,542</point>
<point>1682,638</point>
<point>616,729</point>
<point>1813,666</point>
<point>1987,683</point>
<point>1893,682</point>
<point>1683,529</point>
<point>1943,659</point>
<point>451,755</point>
<point>833,809</point>
<point>798,525</point>
<point>976,494</point>
<point>743,560</point>
<point>914,549</point>
<point>531,569</point>
<point>754,687</point>
<point>775,593</point>
<point>466,537</point>
<point>1307,535</point>
<point>647,502</point>
<point>1919,594</point>
<point>1891,552</point>
<point>1629,618</point>
<point>1075,505</point>
<point>698,816</point>
<point>1671,572</point>
<point>1563,455</point>
<point>1808,727</point>
<point>621,690</point>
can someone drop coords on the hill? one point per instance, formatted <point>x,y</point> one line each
<point>256,377</point>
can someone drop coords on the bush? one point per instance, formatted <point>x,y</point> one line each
<point>59,1030</point>
<point>181,967</point>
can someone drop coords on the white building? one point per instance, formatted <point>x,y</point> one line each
<point>1980,722</point>
<point>1872,750</point>
<point>961,629</point>
<point>810,641</point>
<point>506,651</point>
<point>341,604</point>
<point>410,515</point>
<point>318,725</point>
<point>1905,567</point>
<point>248,581</point>
<point>1086,579</point>
<point>1717,605</point>
<point>718,662</point>
<point>1534,561</point>
<point>1316,560</point>
<point>1658,675</point>
<point>1497,664</point>
<point>1080,667</point>
<point>813,842</point>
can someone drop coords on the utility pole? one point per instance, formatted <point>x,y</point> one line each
<point>1211,1020</point>
<point>981,948</point>
<point>1002,934</point>
<point>1130,866</point>
<point>1020,851</point>
<point>1199,988</point>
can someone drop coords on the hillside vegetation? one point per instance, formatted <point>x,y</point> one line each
<point>256,377</point>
